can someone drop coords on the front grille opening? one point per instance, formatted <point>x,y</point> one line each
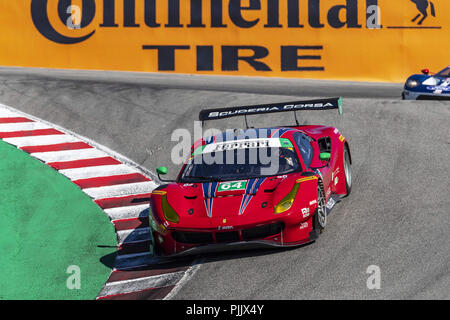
<point>263,231</point>
<point>193,237</point>
<point>232,236</point>
<point>260,232</point>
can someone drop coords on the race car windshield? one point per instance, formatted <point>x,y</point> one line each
<point>241,164</point>
<point>444,73</point>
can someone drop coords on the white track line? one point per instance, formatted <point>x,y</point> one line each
<point>134,285</point>
<point>98,171</point>
<point>120,190</point>
<point>6,113</point>
<point>186,277</point>
<point>69,155</point>
<point>22,126</point>
<point>127,212</point>
<point>41,140</point>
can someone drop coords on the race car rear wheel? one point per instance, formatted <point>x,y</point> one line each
<point>320,217</point>
<point>347,171</point>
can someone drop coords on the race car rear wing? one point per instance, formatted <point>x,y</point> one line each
<point>318,104</point>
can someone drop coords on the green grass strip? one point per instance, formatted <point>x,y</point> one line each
<point>47,225</point>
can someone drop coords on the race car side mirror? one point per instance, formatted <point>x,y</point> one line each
<point>162,171</point>
<point>325,156</point>
<point>425,71</point>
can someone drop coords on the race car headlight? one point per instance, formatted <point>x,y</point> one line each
<point>168,211</point>
<point>412,83</point>
<point>287,202</point>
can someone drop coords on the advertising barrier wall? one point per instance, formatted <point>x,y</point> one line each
<point>368,40</point>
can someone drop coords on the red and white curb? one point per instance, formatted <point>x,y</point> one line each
<point>120,187</point>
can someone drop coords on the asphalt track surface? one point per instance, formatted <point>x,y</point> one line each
<point>397,217</point>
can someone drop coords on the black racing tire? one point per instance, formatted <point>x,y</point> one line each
<point>347,171</point>
<point>320,215</point>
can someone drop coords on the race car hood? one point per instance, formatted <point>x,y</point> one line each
<point>430,83</point>
<point>437,83</point>
<point>207,204</point>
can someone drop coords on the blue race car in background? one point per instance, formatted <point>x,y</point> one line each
<point>428,87</point>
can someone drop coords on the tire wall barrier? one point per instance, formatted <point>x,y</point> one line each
<point>365,40</point>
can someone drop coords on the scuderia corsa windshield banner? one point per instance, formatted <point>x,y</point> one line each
<point>380,40</point>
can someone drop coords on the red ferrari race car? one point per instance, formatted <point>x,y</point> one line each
<point>249,188</point>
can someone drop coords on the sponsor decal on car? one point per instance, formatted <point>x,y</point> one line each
<point>232,186</point>
<point>305,212</point>
<point>225,228</point>
<point>270,109</point>
<point>438,88</point>
<point>335,173</point>
<point>245,144</point>
<point>241,144</point>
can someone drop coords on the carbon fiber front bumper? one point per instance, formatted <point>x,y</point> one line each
<point>242,246</point>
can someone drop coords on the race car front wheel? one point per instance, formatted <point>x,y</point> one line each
<point>320,218</point>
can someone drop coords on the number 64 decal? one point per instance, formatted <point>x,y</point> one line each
<point>232,186</point>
